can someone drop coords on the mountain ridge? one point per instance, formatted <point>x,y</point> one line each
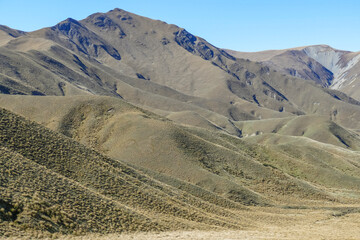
<point>337,70</point>
<point>132,57</point>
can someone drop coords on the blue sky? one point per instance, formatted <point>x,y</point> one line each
<point>243,25</point>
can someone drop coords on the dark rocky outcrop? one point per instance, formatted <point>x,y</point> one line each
<point>81,39</point>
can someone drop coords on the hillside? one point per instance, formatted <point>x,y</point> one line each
<point>118,123</point>
<point>197,181</point>
<point>207,159</point>
<point>52,184</point>
<point>7,34</point>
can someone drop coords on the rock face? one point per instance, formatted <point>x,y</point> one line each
<point>81,39</point>
<point>308,68</point>
<point>342,64</point>
<point>190,43</point>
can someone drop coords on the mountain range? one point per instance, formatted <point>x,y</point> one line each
<point>120,123</point>
<point>326,66</point>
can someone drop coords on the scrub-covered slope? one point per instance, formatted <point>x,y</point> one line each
<point>50,183</point>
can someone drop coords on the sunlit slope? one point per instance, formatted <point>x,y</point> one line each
<point>57,71</point>
<point>315,127</point>
<point>324,164</point>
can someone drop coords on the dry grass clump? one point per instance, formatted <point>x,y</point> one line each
<point>52,203</point>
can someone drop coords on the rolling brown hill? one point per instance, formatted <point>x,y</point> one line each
<point>7,34</point>
<point>206,158</point>
<point>53,184</point>
<point>198,180</point>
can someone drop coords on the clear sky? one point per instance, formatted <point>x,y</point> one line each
<point>243,25</point>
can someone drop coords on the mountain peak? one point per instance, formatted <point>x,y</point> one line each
<point>69,21</point>
<point>117,10</point>
<point>12,32</point>
<point>67,25</point>
<point>323,47</point>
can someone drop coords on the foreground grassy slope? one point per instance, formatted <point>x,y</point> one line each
<point>52,183</point>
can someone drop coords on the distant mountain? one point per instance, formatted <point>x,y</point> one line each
<point>326,66</point>
<point>160,67</point>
